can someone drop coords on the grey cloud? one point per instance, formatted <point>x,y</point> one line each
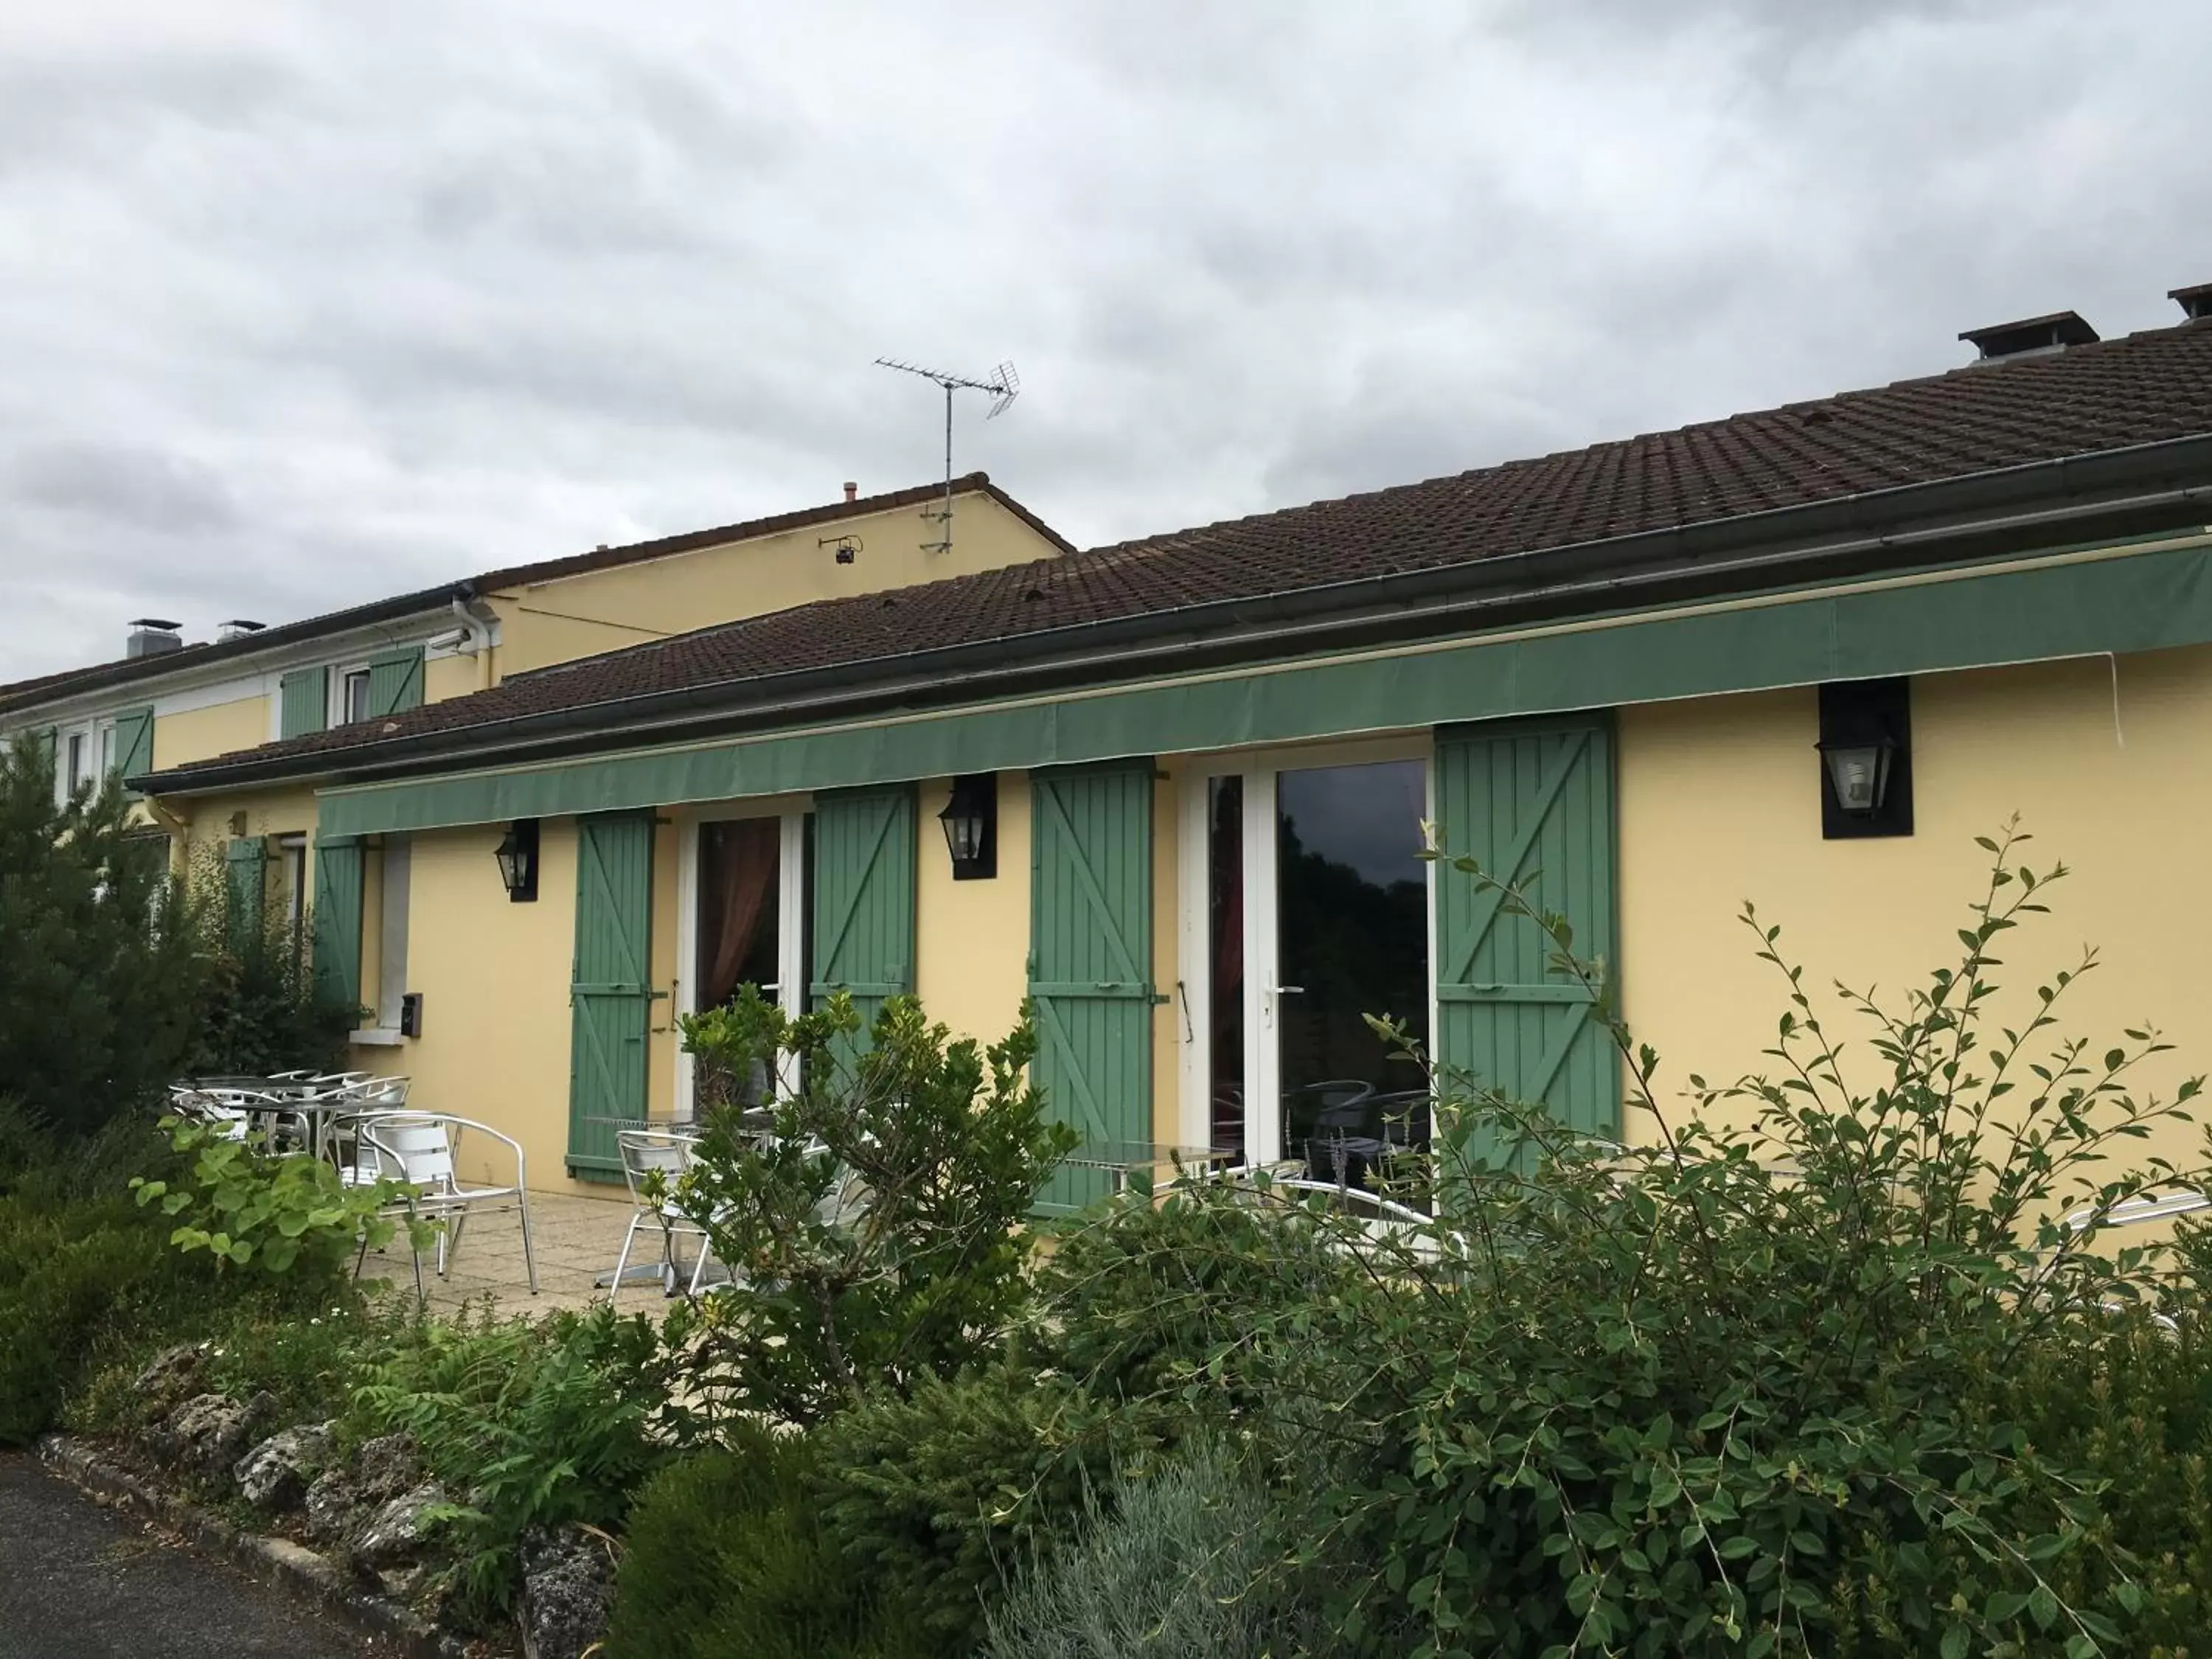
<point>144,489</point>
<point>300,306</point>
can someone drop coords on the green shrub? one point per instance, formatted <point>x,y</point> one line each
<point>539,1423</point>
<point>266,1212</point>
<point>924,1498</point>
<point>98,971</point>
<point>944,1146</point>
<point>1794,1387</point>
<point>725,1559</point>
<point>66,1274</point>
<point>1179,1562</point>
<point>257,1006</point>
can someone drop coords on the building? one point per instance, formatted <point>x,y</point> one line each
<point>1200,762</point>
<point>168,704</point>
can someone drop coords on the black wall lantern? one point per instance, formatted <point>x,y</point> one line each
<point>971,826</point>
<point>1866,759</point>
<point>518,860</point>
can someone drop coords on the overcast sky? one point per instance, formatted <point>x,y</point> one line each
<point>301,305</point>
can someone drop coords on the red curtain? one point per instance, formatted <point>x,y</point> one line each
<point>738,863</point>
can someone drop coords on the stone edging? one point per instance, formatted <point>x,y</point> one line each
<point>288,1567</point>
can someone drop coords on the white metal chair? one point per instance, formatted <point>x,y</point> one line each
<point>422,1151</point>
<point>643,1153</point>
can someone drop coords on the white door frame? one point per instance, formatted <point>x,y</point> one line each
<point>1263,991</point>
<point>790,922</point>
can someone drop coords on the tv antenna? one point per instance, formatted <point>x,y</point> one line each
<point>1004,386</point>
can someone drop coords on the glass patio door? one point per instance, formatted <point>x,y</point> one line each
<point>1317,915</point>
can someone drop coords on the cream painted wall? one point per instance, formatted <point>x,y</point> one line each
<point>603,610</point>
<point>452,676</point>
<point>201,733</point>
<point>494,978</point>
<point>1719,802</point>
<point>972,937</point>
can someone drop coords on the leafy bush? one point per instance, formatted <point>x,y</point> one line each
<point>66,1272</point>
<point>266,1212</point>
<point>539,1423</point>
<point>880,1236</point>
<point>257,1007</point>
<point>725,1559</point>
<point>1175,1564</point>
<point>1748,1390</point>
<point>926,1497</point>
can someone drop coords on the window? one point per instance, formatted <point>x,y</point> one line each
<point>292,852</point>
<point>353,695</point>
<point>79,743</point>
<point>391,924</point>
<point>747,921</point>
<point>106,749</point>
<point>1307,908</point>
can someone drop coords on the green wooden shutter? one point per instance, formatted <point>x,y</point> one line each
<point>134,742</point>
<point>611,997</point>
<point>48,744</point>
<point>1090,954</point>
<point>336,921</point>
<point>245,870</point>
<point>395,682</point>
<point>864,885</point>
<point>303,702</point>
<point>1532,801</point>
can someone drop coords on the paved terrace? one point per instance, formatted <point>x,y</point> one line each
<point>576,1239</point>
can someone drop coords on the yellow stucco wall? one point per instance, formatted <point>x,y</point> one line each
<point>199,733</point>
<point>604,610</point>
<point>972,937</point>
<point>494,977</point>
<point>452,677</point>
<point>1719,803</point>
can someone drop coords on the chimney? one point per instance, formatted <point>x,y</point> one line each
<point>150,636</point>
<point>852,490</point>
<point>2032,337</point>
<point>236,628</point>
<point>2197,301</point>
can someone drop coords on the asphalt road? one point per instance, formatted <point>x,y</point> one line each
<point>81,1582</point>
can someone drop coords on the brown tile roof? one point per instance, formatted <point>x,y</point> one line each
<point>2142,389</point>
<point>124,671</point>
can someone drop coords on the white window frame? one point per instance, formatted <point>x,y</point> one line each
<point>1263,990</point>
<point>335,713</point>
<point>791,991</point>
<point>293,850</point>
<point>96,736</point>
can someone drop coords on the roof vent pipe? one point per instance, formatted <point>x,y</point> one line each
<point>152,636</point>
<point>2032,337</point>
<point>2195,302</point>
<point>852,490</point>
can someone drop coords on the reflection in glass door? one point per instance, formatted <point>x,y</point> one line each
<point>1351,931</point>
<point>747,921</point>
<point>1307,910</point>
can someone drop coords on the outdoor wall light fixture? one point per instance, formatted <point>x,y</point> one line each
<point>1866,759</point>
<point>518,860</point>
<point>971,826</point>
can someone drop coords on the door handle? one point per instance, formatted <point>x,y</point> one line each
<point>1290,990</point>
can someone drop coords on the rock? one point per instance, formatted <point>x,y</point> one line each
<point>331,1503</point>
<point>398,1532</point>
<point>210,1433</point>
<point>384,1468</point>
<point>568,1578</point>
<point>170,1376</point>
<point>275,1474</point>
